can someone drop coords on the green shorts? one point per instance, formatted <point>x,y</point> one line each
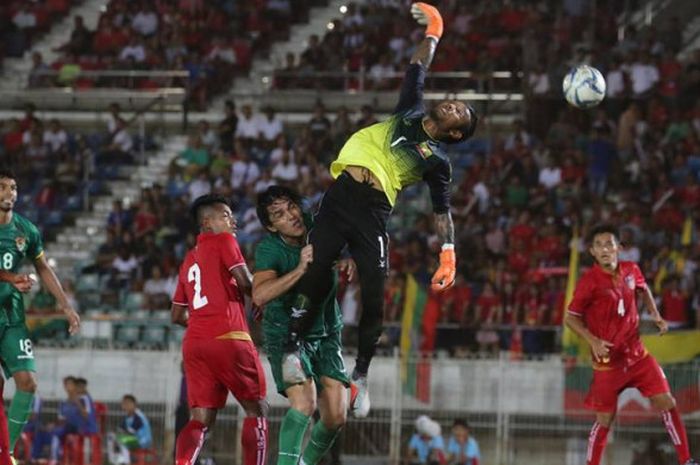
<point>320,357</point>
<point>16,351</point>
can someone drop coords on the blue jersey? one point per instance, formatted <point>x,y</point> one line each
<point>470,450</point>
<point>69,412</point>
<point>138,425</point>
<point>423,448</point>
<point>89,424</point>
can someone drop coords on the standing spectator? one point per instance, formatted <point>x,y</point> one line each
<point>270,127</point>
<point>134,433</point>
<point>601,154</point>
<point>207,135</point>
<point>462,448</point>
<point>381,74</point>
<point>550,175</point>
<point>24,18</point>
<point>145,22</point>
<point>80,42</point>
<point>248,128</point>
<point>39,74</point>
<point>228,126</point>
<point>320,127</point>
<point>426,446</point>
<point>55,137</point>
<point>644,75</point>
<point>674,304</point>
<point>615,80</point>
<point>118,149</point>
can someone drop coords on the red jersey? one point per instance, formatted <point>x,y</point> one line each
<point>205,286</point>
<point>607,304</point>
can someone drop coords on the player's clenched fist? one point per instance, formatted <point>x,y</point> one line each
<point>306,257</point>
<point>429,16</point>
<point>444,277</point>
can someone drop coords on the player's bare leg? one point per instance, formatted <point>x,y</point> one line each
<point>254,434</point>
<point>192,437</point>
<point>666,404</point>
<point>598,437</point>
<point>333,409</point>
<point>21,406</point>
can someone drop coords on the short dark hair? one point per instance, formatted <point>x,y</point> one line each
<point>129,397</point>
<point>269,196</point>
<point>203,202</point>
<point>69,379</point>
<point>602,228</point>
<point>81,381</point>
<point>460,422</point>
<point>7,173</point>
<point>469,128</point>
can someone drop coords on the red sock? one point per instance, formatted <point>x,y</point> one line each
<point>4,436</point>
<point>254,440</point>
<point>189,442</point>
<point>676,429</point>
<point>596,443</point>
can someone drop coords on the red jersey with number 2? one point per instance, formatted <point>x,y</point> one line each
<point>607,303</point>
<point>205,286</point>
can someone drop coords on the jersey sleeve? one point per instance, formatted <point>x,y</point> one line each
<point>582,298</point>
<point>639,281</point>
<point>180,298</point>
<point>265,257</point>
<point>230,252</point>
<point>411,99</point>
<point>438,179</point>
<point>35,246</point>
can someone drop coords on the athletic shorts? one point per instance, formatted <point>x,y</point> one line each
<point>645,375</point>
<point>319,357</point>
<point>16,350</point>
<point>215,367</point>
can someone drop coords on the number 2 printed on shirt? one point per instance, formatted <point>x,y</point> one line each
<point>195,274</point>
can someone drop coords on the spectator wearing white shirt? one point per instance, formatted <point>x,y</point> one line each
<point>200,186</point>
<point>353,16</point>
<point>145,22</point>
<point>134,50</point>
<point>55,137</point>
<point>207,135</point>
<point>270,127</point>
<point>281,148</point>
<point>286,171</point>
<point>118,149</point>
<point>538,80</point>
<point>24,18</point>
<point>248,128</point>
<point>124,267</point>
<point>156,290</point>
<point>628,252</point>
<point>381,74</point>
<point>244,172</point>
<point>222,52</point>
<point>550,175</point>
<point>615,80</point>
<point>644,75</point>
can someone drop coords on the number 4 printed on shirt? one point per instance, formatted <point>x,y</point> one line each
<point>620,308</point>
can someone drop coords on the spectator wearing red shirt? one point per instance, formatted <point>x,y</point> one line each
<point>674,304</point>
<point>522,233</point>
<point>456,301</point>
<point>488,310</point>
<point>12,140</point>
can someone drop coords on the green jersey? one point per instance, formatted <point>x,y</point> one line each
<point>19,239</point>
<point>272,253</point>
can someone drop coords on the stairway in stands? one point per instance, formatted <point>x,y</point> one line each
<point>76,245</point>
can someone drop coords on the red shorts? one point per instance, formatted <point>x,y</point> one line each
<point>214,367</point>
<point>645,375</point>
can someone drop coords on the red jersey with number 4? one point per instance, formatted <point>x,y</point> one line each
<point>205,286</point>
<point>607,303</point>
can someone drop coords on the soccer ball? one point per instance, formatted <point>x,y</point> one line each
<point>584,87</point>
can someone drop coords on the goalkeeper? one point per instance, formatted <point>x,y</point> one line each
<point>373,166</point>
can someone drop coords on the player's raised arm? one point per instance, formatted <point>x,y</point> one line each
<point>48,277</point>
<point>411,97</point>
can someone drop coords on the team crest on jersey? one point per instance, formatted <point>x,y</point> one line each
<point>629,280</point>
<point>21,243</point>
<point>424,150</point>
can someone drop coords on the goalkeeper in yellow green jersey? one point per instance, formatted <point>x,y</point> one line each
<point>373,166</point>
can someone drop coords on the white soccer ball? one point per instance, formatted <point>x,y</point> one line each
<point>584,87</point>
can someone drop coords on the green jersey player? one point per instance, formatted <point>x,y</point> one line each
<point>281,259</point>
<point>20,240</point>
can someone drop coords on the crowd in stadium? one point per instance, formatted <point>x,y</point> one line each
<point>518,194</point>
